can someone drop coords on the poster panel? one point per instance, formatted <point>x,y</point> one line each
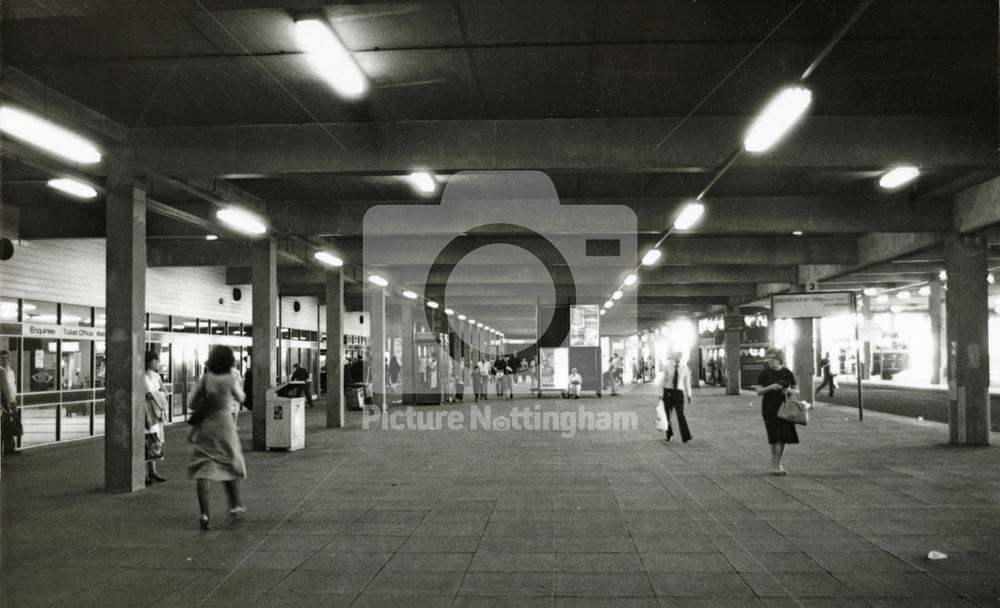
<point>553,368</point>
<point>585,325</point>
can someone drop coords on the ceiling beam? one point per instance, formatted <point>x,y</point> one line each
<point>747,215</point>
<point>978,207</point>
<point>577,145</point>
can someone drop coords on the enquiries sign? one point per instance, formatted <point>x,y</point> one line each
<point>812,305</point>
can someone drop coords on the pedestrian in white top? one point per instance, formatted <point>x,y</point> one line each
<point>674,386</point>
<point>10,426</point>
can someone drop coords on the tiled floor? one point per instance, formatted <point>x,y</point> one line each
<point>523,518</point>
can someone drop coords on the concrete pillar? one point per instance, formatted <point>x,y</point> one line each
<point>694,364</point>
<point>336,416</point>
<point>866,347</point>
<point>818,341</point>
<point>316,371</point>
<point>804,366</point>
<point>937,321</point>
<point>378,346</point>
<point>124,439</point>
<point>409,370</point>
<point>968,340</point>
<point>264,274</point>
<point>733,351</point>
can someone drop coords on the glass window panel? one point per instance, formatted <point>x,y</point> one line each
<point>185,325</point>
<point>99,360</point>
<point>234,328</point>
<point>99,417</point>
<point>158,322</point>
<point>204,326</point>
<point>218,328</point>
<point>76,367</point>
<point>39,424</point>
<point>100,317</point>
<point>76,420</point>
<point>8,309</point>
<point>40,312</point>
<point>38,371</point>
<point>79,316</point>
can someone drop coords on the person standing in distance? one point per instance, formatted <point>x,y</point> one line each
<point>674,384</point>
<point>10,427</point>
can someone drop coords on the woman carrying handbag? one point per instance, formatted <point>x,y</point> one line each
<point>156,413</point>
<point>773,385</point>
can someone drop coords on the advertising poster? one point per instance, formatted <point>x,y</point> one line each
<point>553,368</point>
<point>585,325</point>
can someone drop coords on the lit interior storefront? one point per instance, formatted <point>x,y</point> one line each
<point>57,352</point>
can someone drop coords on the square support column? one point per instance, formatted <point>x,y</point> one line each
<point>935,310</point>
<point>733,353</point>
<point>409,369</point>
<point>968,341</point>
<point>124,438</point>
<point>694,364</point>
<point>264,274</point>
<point>804,366</point>
<point>378,346</point>
<point>336,416</point>
<point>866,351</point>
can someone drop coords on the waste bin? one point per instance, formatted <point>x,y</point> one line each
<point>286,418</point>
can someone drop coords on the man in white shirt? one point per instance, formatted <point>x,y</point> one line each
<point>674,384</point>
<point>8,399</point>
<point>575,382</point>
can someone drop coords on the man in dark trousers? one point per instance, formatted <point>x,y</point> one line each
<point>828,375</point>
<point>301,374</point>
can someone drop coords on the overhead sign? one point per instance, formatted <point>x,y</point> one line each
<point>812,305</point>
<point>585,325</point>
<point>31,330</point>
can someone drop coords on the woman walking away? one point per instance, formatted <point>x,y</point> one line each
<point>156,409</point>
<point>674,384</point>
<point>773,384</point>
<point>217,455</point>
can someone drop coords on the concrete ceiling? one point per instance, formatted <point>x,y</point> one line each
<point>635,103</point>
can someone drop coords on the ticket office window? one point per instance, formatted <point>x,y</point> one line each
<point>40,365</point>
<point>79,316</point>
<point>100,357</point>
<point>76,362</point>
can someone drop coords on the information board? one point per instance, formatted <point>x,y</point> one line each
<point>553,368</point>
<point>585,325</point>
<point>812,305</point>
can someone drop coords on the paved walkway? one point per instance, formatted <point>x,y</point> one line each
<point>527,518</point>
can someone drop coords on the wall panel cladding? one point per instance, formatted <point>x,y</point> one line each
<point>72,271</point>
<point>306,318</point>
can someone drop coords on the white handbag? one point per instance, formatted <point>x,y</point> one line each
<point>662,424</point>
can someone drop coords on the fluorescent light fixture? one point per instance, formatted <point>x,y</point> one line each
<point>432,304</point>
<point>328,258</point>
<point>449,311</point>
<point>329,57</point>
<point>377,280</point>
<point>211,237</point>
<point>617,295</point>
<point>896,308</point>
<point>609,304</point>
<point>898,176</point>
<point>479,325</point>
<point>8,305</point>
<point>943,275</point>
<point>882,299</point>
<point>630,280</point>
<point>410,295</point>
<point>602,312</point>
<point>73,187</point>
<point>241,220</point>
<point>796,233</point>
<point>487,328</point>
<point>689,217</point>
<point>71,319</point>
<point>48,136</point>
<point>473,322</point>
<point>423,181</point>
<point>651,257</point>
<point>903,295</point>
<point>780,114</point>
<point>462,317</point>
<point>870,291</point>
<point>925,291</point>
